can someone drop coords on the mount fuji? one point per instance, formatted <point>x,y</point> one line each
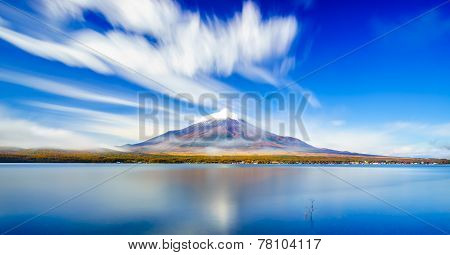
<point>225,133</point>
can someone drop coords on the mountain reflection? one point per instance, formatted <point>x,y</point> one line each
<point>222,199</point>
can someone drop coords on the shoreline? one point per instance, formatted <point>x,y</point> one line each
<point>57,156</point>
<point>249,164</point>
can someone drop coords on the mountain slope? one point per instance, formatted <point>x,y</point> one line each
<point>222,134</point>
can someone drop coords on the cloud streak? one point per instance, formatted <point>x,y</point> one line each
<point>187,47</point>
<point>405,139</point>
<point>62,89</point>
<point>186,44</point>
<point>109,124</point>
<point>18,132</point>
<point>70,55</point>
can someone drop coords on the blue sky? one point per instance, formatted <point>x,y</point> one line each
<point>391,97</point>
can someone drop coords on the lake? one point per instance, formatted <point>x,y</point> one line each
<point>223,199</point>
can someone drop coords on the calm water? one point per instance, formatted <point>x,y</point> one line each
<point>224,199</point>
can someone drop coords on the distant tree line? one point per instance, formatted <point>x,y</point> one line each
<point>61,156</point>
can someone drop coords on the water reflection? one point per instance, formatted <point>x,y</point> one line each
<point>223,199</point>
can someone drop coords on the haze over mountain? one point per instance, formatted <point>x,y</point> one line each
<point>224,133</point>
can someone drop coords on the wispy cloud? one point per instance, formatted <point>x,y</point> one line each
<point>71,55</point>
<point>258,74</point>
<point>115,128</point>
<point>400,138</point>
<point>62,89</point>
<point>155,44</point>
<point>436,130</point>
<point>186,45</point>
<point>100,122</point>
<point>337,123</point>
<point>23,133</point>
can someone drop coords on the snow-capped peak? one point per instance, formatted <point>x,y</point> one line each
<point>220,115</point>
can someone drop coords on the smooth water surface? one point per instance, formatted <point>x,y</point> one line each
<point>223,199</point>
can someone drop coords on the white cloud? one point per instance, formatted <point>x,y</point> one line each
<point>105,123</point>
<point>424,129</point>
<point>337,123</point>
<point>151,17</point>
<point>400,138</point>
<point>70,55</point>
<point>118,128</point>
<point>187,46</point>
<point>258,74</point>
<point>62,89</point>
<point>406,139</point>
<point>286,65</point>
<point>16,132</point>
<point>442,130</point>
<point>189,52</point>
